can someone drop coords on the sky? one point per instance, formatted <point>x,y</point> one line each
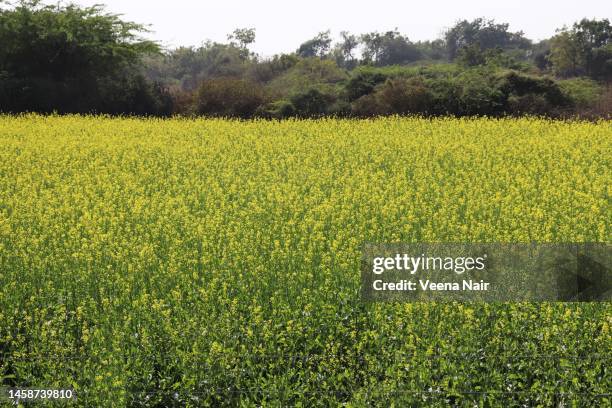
<point>281,26</point>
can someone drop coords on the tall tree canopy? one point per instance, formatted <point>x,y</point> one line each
<point>389,48</point>
<point>484,34</point>
<point>68,58</point>
<point>586,48</point>
<point>318,46</point>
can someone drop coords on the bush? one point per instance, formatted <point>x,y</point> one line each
<point>183,102</point>
<point>532,104</point>
<point>227,97</point>
<point>340,108</point>
<point>515,84</point>
<point>265,71</point>
<point>312,103</point>
<point>401,96</point>
<point>583,92</point>
<point>281,109</point>
<point>362,83</point>
<point>134,95</point>
<point>367,106</point>
<point>306,74</point>
<point>446,96</point>
<point>478,95</point>
<point>599,108</point>
<point>127,94</point>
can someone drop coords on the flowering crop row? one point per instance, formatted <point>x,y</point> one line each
<point>149,262</point>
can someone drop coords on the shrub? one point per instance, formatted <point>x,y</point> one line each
<point>516,84</point>
<point>182,102</point>
<point>266,71</point>
<point>583,92</point>
<point>532,104</point>
<point>477,95</point>
<point>134,95</point>
<point>446,96</point>
<point>363,83</point>
<point>340,108</point>
<point>226,97</point>
<point>281,109</point>
<point>366,106</point>
<point>312,103</point>
<point>401,96</point>
<point>306,74</point>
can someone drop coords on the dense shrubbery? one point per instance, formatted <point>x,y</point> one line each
<point>226,97</point>
<point>471,92</point>
<point>71,59</point>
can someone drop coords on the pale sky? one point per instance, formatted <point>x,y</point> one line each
<point>282,25</point>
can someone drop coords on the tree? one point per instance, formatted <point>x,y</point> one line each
<point>60,58</point>
<point>316,47</point>
<point>242,38</point>
<point>566,55</point>
<point>594,38</point>
<point>344,50</point>
<point>186,67</point>
<point>390,48</point>
<point>471,55</point>
<point>586,48</point>
<point>433,50</point>
<point>541,55</point>
<point>485,34</point>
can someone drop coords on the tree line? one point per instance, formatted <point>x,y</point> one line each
<point>69,59</point>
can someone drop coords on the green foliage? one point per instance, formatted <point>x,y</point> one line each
<point>67,58</point>
<point>583,92</point>
<point>133,94</point>
<point>226,97</point>
<point>306,74</point>
<point>432,50</point>
<point>566,55</point>
<point>478,95</point>
<point>471,56</point>
<point>343,52</point>
<point>390,48</point>
<point>362,82</point>
<point>482,34</point>
<point>186,67</point>
<point>265,71</point>
<point>483,90</point>
<point>241,38</point>
<point>541,55</point>
<point>318,46</point>
<point>585,49</point>
<point>311,103</point>
<point>600,62</point>
<point>60,42</point>
<point>543,94</point>
<point>403,96</point>
<point>280,109</point>
<point>71,59</point>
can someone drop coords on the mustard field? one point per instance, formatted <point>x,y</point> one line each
<point>178,262</point>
